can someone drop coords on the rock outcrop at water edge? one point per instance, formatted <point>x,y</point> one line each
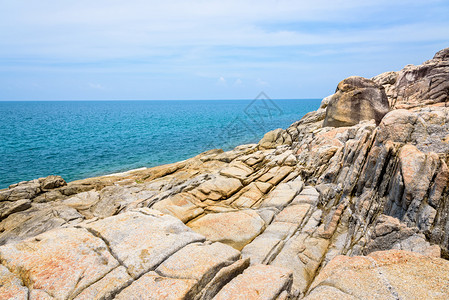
<point>337,206</point>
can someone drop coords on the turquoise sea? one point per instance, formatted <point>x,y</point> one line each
<point>79,139</point>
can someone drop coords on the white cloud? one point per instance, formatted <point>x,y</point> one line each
<point>96,86</point>
<point>88,31</point>
<point>262,83</point>
<point>197,44</point>
<point>221,81</point>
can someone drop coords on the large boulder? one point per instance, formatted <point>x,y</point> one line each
<point>356,99</point>
<point>51,182</point>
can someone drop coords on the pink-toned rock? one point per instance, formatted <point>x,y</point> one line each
<point>232,228</point>
<point>237,170</point>
<point>257,282</point>
<point>11,287</point>
<point>424,84</point>
<point>275,175</point>
<point>267,245</point>
<point>39,295</point>
<point>180,206</point>
<point>198,261</point>
<point>283,194</point>
<point>393,274</point>
<point>416,169</point>
<point>293,214</point>
<point>223,276</point>
<point>248,196</point>
<point>220,187</point>
<point>113,282</point>
<point>151,286</point>
<point>60,262</point>
<point>328,138</point>
<point>143,239</point>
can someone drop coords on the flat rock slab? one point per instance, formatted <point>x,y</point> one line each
<point>143,239</point>
<point>239,171</point>
<point>275,175</point>
<point>283,194</point>
<point>83,200</point>
<point>236,228</point>
<point>21,190</point>
<point>293,214</point>
<point>10,207</point>
<point>60,262</point>
<point>301,254</point>
<point>249,195</point>
<point>393,274</point>
<point>267,245</point>
<point>41,217</point>
<point>109,285</point>
<point>151,286</point>
<point>257,282</point>
<point>197,261</point>
<point>180,205</point>
<point>308,195</point>
<point>220,187</point>
<point>220,279</point>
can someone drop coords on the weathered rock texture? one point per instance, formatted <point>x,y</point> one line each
<point>287,218</point>
<point>356,99</point>
<point>382,275</point>
<point>417,86</point>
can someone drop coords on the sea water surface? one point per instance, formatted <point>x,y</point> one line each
<point>80,139</point>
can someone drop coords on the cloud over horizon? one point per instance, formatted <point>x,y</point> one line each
<point>79,50</point>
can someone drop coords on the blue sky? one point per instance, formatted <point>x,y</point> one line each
<point>198,49</point>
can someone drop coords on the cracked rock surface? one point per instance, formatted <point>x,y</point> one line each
<point>355,211</point>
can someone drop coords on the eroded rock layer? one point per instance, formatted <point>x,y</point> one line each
<point>340,205</point>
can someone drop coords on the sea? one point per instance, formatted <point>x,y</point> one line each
<point>80,139</point>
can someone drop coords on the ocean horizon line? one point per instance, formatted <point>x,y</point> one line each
<point>123,100</point>
<point>81,139</point>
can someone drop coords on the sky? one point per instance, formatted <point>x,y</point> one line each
<point>207,49</point>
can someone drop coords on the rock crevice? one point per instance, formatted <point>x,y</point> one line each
<point>351,199</point>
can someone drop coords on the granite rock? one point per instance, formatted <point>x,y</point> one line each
<point>392,274</point>
<point>287,218</point>
<point>356,99</point>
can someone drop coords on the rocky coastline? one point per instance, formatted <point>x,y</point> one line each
<point>350,202</point>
